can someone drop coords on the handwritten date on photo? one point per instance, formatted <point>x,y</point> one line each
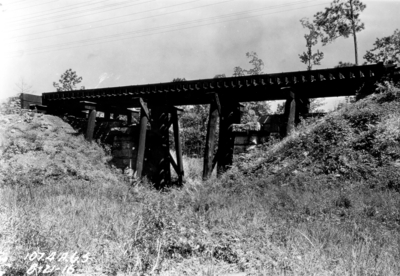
<point>69,258</point>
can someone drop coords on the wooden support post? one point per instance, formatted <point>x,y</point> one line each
<point>226,143</point>
<point>210,141</point>
<point>142,139</point>
<point>178,146</point>
<point>90,125</point>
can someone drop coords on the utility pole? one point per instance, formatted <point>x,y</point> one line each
<point>353,27</point>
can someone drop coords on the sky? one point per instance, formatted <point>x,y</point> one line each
<point>129,42</point>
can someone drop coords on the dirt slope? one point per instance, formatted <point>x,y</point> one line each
<point>361,141</point>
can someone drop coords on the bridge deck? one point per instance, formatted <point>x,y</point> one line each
<point>309,84</point>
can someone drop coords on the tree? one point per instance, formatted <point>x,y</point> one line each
<point>309,58</point>
<point>252,110</point>
<point>255,61</point>
<point>238,72</point>
<point>341,19</point>
<point>68,81</point>
<point>386,49</point>
<point>315,104</point>
<point>193,129</point>
<point>344,64</point>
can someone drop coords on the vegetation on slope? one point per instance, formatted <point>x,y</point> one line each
<point>358,142</point>
<point>324,201</point>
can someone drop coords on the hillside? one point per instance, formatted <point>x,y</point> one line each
<point>323,201</point>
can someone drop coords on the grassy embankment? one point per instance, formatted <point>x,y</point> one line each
<point>324,201</point>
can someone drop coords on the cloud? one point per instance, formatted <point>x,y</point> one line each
<point>103,77</point>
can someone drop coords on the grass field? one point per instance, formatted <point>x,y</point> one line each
<point>324,201</point>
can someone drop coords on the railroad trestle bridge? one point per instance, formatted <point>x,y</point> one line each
<point>159,107</point>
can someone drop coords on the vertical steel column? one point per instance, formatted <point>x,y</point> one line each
<point>160,125</point>
<point>290,112</point>
<point>90,125</point>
